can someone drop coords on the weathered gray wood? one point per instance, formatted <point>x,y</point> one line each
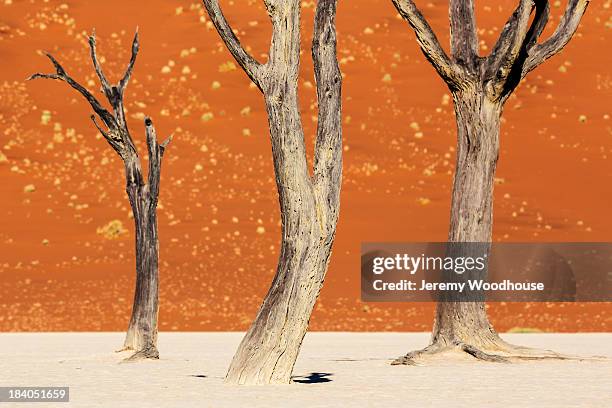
<point>471,218</point>
<point>142,330</point>
<point>480,87</point>
<point>309,205</point>
<point>464,38</point>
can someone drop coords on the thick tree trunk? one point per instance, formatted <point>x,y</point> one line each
<point>478,122</point>
<point>269,350</point>
<point>309,206</point>
<point>480,86</point>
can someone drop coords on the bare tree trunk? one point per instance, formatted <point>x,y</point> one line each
<point>480,87</point>
<point>142,330</point>
<point>269,350</point>
<point>478,121</point>
<point>309,205</point>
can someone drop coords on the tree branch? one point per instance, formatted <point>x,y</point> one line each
<point>464,37</point>
<point>165,143</point>
<point>106,87</point>
<point>155,155</point>
<point>539,23</point>
<point>328,146</point>
<point>508,46</point>
<point>128,72</point>
<point>563,34</point>
<point>252,68</point>
<point>497,87</point>
<point>117,135</point>
<point>113,93</point>
<point>284,56</point>
<point>447,69</point>
<point>61,75</point>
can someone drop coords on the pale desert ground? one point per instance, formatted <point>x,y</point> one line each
<point>334,369</point>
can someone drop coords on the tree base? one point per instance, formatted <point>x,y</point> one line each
<point>258,374</point>
<point>247,382</point>
<point>501,352</point>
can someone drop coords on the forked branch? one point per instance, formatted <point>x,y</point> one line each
<point>538,53</point>
<point>510,44</point>
<point>106,117</point>
<point>515,54</point>
<point>114,93</point>
<point>539,22</point>
<point>508,65</point>
<point>116,132</point>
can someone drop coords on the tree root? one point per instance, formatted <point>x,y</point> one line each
<point>412,357</point>
<point>149,353</point>
<point>124,348</point>
<point>481,355</point>
<point>502,352</point>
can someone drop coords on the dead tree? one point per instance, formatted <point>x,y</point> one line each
<point>480,86</point>
<point>142,330</point>
<point>309,206</point>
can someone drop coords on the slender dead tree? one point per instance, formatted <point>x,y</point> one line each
<point>142,330</point>
<point>480,86</point>
<point>309,205</point>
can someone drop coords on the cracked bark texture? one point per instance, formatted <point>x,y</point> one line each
<point>309,205</point>
<point>480,86</point>
<point>143,196</point>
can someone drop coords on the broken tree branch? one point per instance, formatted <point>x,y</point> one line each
<point>155,152</point>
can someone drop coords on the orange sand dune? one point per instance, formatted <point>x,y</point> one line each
<point>219,221</point>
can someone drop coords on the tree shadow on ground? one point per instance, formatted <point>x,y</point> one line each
<point>313,378</point>
<point>198,375</point>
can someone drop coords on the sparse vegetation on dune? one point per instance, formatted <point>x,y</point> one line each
<point>400,176</point>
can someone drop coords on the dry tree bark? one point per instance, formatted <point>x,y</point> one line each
<point>480,86</point>
<point>142,330</point>
<point>309,205</point>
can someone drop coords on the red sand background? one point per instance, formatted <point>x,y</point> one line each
<point>57,273</point>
